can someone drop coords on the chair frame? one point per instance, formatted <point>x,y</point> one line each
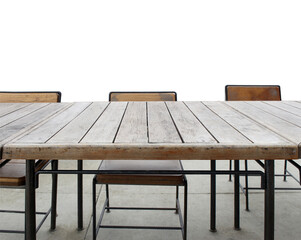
<point>54,166</point>
<point>106,206</point>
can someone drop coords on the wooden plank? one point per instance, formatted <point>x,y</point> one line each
<point>276,124</point>
<point>219,128</point>
<point>133,127</point>
<point>151,151</point>
<point>51,127</point>
<point>6,108</point>
<point>22,125</point>
<point>79,126</point>
<point>13,116</point>
<point>160,125</point>
<point>274,110</point>
<point>18,97</point>
<point>142,96</point>
<point>286,107</point>
<point>296,104</point>
<point>248,127</point>
<point>105,128</point>
<point>189,127</point>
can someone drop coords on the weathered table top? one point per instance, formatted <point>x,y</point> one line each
<point>151,130</point>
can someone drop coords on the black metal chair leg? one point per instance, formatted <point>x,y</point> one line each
<point>80,196</point>
<point>247,186</point>
<point>177,197</point>
<point>108,198</point>
<point>230,168</point>
<point>185,210</point>
<point>285,169</point>
<point>94,208</point>
<point>54,166</point>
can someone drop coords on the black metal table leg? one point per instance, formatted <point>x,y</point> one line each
<point>269,200</point>
<point>213,197</point>
<point>80,196</point>
<point>54,166</point>
<point>30,201</point>
<point>236,196</point>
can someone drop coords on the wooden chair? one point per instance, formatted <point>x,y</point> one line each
<point>144,165</point>
<point>257,93</point>
<point>12,172</point>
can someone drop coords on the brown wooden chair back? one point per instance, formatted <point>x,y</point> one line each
<point>253,93</point>
<point>143,96</point>
<point>13,97</point>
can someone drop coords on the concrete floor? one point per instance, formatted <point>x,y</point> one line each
<point>287,221</point>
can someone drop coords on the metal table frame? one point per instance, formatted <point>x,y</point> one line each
<point>267,183</point>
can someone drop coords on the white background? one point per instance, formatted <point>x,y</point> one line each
<point>87,48</point>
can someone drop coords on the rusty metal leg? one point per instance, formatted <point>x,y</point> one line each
<point>269,200</point>
<point>30,201</point>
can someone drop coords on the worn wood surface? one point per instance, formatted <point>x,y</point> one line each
<point>142,96</point>
<point>151,130</point>
<point>18,97</point>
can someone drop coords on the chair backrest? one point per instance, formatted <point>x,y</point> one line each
<point>253,93</point>
<point>143,96</point>
<point>12,97</point>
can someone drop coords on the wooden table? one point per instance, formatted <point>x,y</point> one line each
<point>152,130</point>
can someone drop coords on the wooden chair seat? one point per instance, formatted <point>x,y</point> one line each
<point>12,174</point>
<point>157,179</point>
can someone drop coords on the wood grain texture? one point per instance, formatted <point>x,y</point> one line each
<point>13,116</point>
<point>154,130</point>
<point>6,108</point>
<point>105,128</point>
<point>246,126</point>
<point>269,121</point>
<point>253,93</point>
<point>150,151</point>
<point>280,113</point>
<point>287,107</point>
<point>80,125</point>
<point>55,124</point>
<point>142,96</point>
<point>189,127</point>
<point>160,125</point>
<point>17,97</point>
<point>215,124</point>
<point>133,127</point>
<point>23,125</point>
